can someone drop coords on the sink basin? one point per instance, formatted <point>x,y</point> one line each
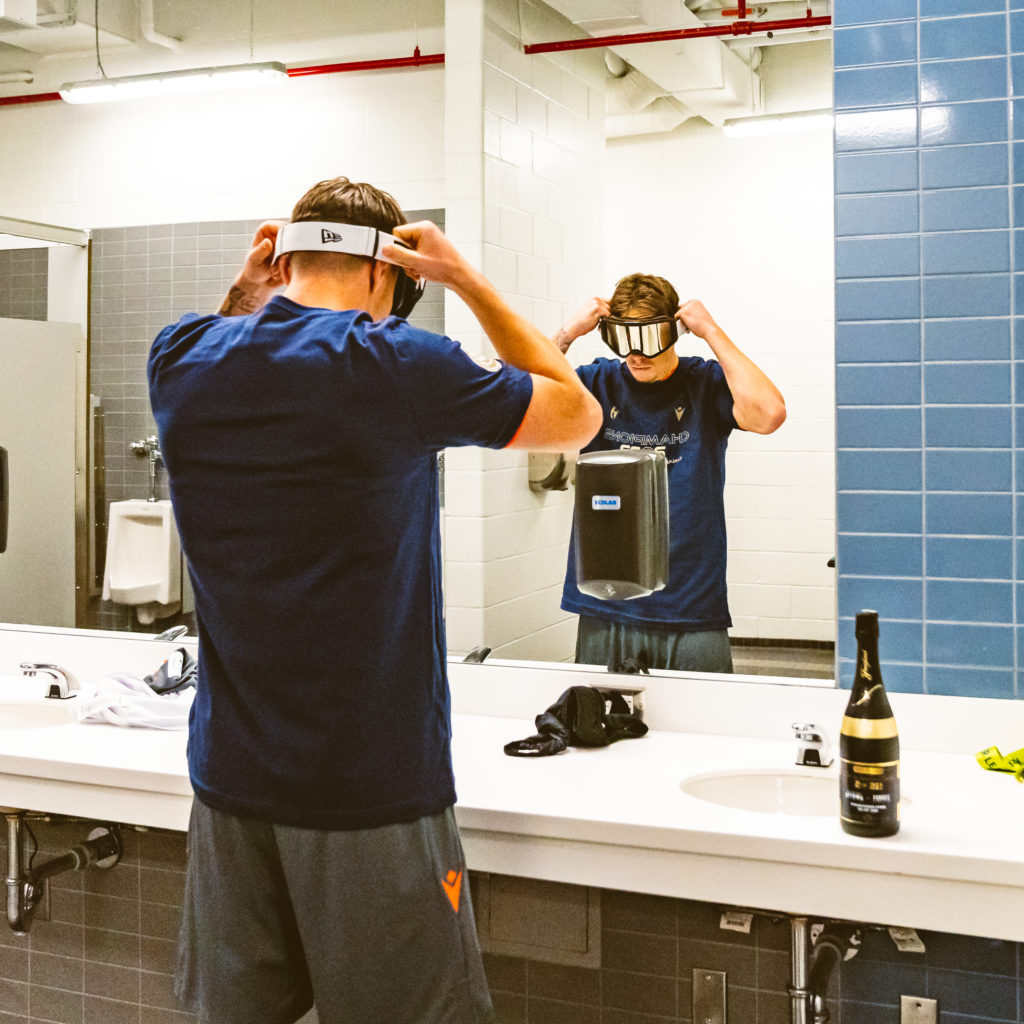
<point>769,792</point>
<point>39,714</point>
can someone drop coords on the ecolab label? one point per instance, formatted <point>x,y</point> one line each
<point>606,502</point>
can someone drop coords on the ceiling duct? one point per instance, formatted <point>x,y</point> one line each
<point>702,76</point>
<point>17,15</point>
<point>630,93</point>
<point>663,115</point>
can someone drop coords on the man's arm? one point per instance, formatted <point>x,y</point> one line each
<point>258,279</point>
<point>562,414</point>
<point>757,404</point>
<point>583,321</point>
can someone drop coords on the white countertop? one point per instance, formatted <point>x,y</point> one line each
<point>616,817</point>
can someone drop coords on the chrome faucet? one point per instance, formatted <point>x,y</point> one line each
<point>62,684</point>
<point>813,745</point>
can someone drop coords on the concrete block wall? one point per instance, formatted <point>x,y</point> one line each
<point>524,141</point>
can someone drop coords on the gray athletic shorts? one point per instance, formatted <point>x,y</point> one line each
<point>603,642</point>
<point>374,926</point>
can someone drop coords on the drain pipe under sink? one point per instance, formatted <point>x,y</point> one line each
<point>799,991</point>
<point>813,963</point>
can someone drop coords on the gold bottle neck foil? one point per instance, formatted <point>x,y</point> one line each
<point>869,728</point>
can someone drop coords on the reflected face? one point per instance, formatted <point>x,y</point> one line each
<point>646,370</point>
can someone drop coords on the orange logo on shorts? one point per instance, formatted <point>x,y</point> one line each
<point>452,884</point>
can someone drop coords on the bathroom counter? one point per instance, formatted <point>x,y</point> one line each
<point>616,817</point>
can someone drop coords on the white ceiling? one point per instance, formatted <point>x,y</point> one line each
<point>652,87</point>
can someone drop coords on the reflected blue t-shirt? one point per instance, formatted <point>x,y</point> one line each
<point>300,445</point>
<point>689,417</point>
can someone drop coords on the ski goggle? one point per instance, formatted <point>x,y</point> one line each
<point>646,337</point>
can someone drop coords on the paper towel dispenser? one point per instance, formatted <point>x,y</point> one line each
<point>621,523</point>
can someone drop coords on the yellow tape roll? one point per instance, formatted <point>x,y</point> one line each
<point>992,760</point>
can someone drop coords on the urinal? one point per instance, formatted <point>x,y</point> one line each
<point>143,558</point>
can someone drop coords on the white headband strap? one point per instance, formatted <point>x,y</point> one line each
<point>324,236</point>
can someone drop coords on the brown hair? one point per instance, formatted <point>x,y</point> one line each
<point>344,202</point>
<point>643,295</point>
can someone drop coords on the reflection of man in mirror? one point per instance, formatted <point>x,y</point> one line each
<point>686,408</point>
<point>300,432</point>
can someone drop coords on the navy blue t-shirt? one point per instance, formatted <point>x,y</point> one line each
<point>300,445</point>
<point>688,416</point>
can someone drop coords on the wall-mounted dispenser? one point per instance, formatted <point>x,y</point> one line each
<point>621,523</point>
<point>550,471</point>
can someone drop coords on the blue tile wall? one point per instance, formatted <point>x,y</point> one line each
<point>966,339</point>
<point>963,166</point>
<point>929,214</point>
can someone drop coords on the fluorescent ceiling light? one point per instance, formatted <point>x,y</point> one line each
<point>173,83</point>
<point>777,125</point>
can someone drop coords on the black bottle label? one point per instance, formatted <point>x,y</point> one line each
<point>870,796</point>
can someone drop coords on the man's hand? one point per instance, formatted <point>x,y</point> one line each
<point>583,321</point>
<point>259,276</point>
<point>694,317</point>
<point>757,404</point>
<point>427,254</point>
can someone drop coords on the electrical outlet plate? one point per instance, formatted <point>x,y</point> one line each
<point>708,996</point>
<point>917,1010</point>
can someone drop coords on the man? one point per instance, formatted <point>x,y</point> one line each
<point>686,408</point>
<point>300,434</point>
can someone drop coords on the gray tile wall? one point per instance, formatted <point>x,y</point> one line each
<point>107,954</point>
<point>650,945</point>
<point>24,278</point>
<point>144,278</point>
<point>107,957</point>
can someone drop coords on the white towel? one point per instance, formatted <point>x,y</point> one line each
<point>121,699</point>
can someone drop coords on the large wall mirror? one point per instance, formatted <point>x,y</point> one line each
<point>717,174</point>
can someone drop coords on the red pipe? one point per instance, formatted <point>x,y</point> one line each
<point>38,97</point>
<point>736,28</point>
<point>417,60</point>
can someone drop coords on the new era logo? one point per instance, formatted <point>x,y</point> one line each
<point>329,236</point>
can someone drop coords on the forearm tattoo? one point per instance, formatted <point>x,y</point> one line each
<point>238,303</point>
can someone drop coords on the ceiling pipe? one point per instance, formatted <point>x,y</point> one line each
<point>38,97</point>
<point>417,60</point>
<point>736,28</point>
<point>148,29</point>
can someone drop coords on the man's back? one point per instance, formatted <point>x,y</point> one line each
<point>304,482</point>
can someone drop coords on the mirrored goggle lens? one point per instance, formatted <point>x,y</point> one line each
<point>646,338</point>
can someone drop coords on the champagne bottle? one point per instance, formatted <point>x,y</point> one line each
<point>869,745</point>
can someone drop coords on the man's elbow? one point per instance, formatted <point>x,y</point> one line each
<point>775,417</point>
<point>764,419</point>
<point>589,419</point>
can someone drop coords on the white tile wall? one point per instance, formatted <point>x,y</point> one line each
<point>745,225</point>
<point>538,213</point>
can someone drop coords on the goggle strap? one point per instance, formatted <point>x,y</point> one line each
<point>324,236</point>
